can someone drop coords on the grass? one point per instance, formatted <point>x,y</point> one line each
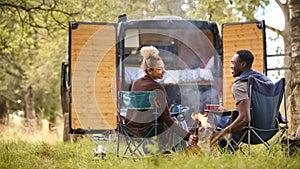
<point>46,150</point>
<point>23,154</point>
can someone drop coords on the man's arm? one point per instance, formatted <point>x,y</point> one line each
<point>243,118</point>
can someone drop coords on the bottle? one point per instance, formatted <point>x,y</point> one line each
<point>194,149</point>
<point>205,134</point>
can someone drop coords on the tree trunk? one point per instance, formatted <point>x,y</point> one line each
<point>29,110</point>
<point>4,116</point>
<point>53,123</point>
<point>294,83</point>
<point>66,135</point>
<point>40,117</point>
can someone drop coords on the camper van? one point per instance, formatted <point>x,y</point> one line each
<point>104,58</point>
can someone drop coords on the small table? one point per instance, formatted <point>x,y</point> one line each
<point>215,116</point>
<point>222,113</point>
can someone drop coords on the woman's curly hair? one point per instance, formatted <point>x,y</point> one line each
<point>150,57</point>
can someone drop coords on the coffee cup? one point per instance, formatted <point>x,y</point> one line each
<point>212,107</point>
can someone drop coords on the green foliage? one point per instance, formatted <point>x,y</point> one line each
<point>32,46</point>
<point>223,11</point>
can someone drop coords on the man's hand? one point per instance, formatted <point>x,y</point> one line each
<point>215,137</point>
<point>221,108</point>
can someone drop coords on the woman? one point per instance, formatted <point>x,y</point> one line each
<point>153,66</point>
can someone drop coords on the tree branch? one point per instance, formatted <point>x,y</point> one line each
<point>33,13</point>
<point>7,98</point>
<point>274,29</point>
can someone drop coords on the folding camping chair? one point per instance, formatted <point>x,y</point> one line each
<point>139,101</point>
<point>265,100</point>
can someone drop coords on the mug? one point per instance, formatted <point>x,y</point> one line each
<point>212,106</point>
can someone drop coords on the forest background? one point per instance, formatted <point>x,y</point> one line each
<point>34,43</point>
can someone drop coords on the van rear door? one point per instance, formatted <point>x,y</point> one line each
<point>92,61</point>
<point>237,36</point>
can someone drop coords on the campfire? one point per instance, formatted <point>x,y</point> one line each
<point>204,131</point>
<point>203,120</point>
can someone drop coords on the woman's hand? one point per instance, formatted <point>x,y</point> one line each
<point>193,140</point>
<point>171,107</point>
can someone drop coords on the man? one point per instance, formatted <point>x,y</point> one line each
<point>241,66</point>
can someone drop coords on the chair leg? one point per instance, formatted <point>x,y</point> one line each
<point>240,143</point>
<point>249,141</point>
<point>251,131</point>
<point>129,141</point>
<point>288,140</point>
<point>284,131</point>
<point>118,139</point>
<point>280,138</point>
<point>267,145</point>
<point>230,143</point>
